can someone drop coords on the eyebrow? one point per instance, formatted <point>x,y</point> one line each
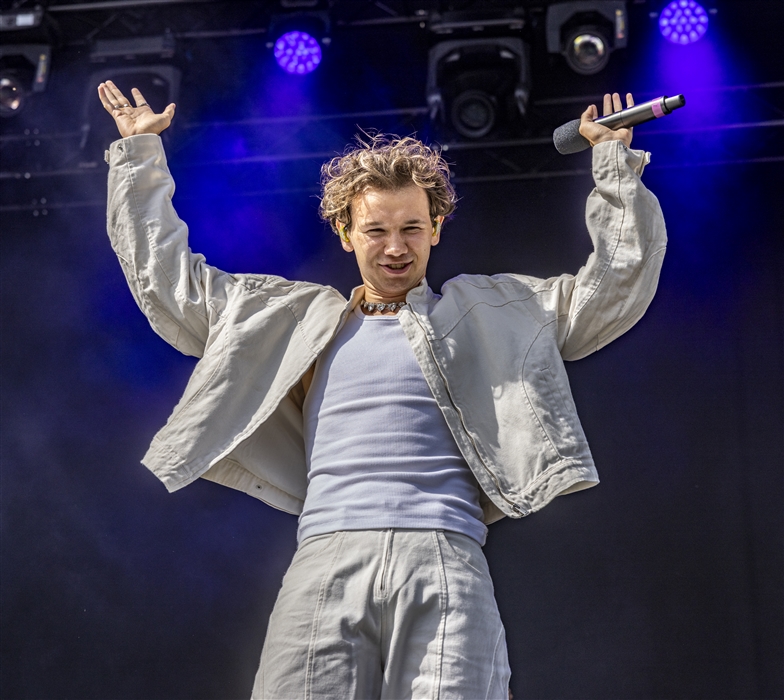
<point>405,223</point>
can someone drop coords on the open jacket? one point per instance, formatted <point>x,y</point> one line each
<point>491,348</point>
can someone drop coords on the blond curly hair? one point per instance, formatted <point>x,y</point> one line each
<point>384,162</point>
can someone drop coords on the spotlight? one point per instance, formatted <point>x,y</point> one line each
<point>297,38</point>
<point>586,33</point>
<point>587,50</point>
<point>24,69</point>
<point>481,85</point>
<point>11,95</point>
<point>683,22</point>
<point>297,52</point>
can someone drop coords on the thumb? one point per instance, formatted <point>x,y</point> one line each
<point>589,114</point>
<point>169,111</point>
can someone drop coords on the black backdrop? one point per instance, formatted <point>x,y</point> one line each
<point>663,582</point>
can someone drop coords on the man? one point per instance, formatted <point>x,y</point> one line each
<point>397,424</point>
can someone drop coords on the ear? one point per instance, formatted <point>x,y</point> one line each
<point>345,241</point>
<point>439,220</point>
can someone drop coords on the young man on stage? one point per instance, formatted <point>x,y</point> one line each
<point>398,423</point>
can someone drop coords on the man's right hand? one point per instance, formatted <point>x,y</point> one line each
<point>133,120</point>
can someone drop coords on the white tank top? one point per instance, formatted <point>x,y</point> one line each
<point>380,454</point>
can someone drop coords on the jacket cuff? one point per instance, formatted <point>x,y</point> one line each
<point>635,159</point>
<point>123,150</point>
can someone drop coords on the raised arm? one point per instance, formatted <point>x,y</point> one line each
<point>179,293</point>
<point>614,288</point>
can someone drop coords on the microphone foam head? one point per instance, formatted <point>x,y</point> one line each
<point>568,139</point>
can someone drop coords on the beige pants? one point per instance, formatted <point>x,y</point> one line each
<point>385,614</point>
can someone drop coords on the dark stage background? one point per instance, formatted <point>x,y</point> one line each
<point>663,582</point>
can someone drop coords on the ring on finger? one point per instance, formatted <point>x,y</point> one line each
<point>126,105</point>
<point>143,104</point>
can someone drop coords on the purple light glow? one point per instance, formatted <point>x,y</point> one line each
<point>297,53</point>
<point>683,22</point>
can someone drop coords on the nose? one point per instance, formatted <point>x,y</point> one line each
<point>395,244</point>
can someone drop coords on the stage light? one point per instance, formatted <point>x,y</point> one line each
<point>298,34</point>
<point>12,95</point>
<point>24,69</point>
<point>478,87</point>
<point>587,50</point>
<point>21,19</point>
<point>586,33</point>
<point>297,52</point>
<point>683,22</point>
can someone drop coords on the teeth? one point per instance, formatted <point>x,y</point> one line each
<point>397,266</point>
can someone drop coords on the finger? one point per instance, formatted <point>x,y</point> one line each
<point>629,100</point>
<point>169,111</point>
<point>107,104</point>
<point>617,106</point>
<point>607,106</point>
<point>116,96</point>
<point>139,98</point>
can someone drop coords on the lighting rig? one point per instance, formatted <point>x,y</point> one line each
<point>479,91</point>
<point>478,80</point>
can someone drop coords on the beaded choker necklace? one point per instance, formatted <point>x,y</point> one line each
<point>394,306</point>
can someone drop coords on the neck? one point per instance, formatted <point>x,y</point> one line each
<point>374,298</point>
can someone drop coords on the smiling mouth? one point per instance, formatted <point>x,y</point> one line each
<point>397,266</point>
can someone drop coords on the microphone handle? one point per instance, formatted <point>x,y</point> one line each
<point>639,114</point>
<point>568,139</point>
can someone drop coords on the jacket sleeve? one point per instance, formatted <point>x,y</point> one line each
<point>613,289</point>
<point>179,293</point>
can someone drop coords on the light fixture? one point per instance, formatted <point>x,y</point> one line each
<point>586,33</point>
<point>297,52</point>
<point>298,35</point>
<point>683,22</point>
<point>21,19</point>
<point>24,69</point>
<point>478,87</point>
<point>11,95</point>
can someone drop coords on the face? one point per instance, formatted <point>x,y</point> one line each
<point>391,235</point>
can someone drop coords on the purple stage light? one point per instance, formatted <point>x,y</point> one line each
<point>297,53</point>
<point>683,22</point>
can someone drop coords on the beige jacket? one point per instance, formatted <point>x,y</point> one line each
<point>491,347</point>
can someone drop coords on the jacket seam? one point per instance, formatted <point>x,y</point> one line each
<point>527,396</point>
<point>153,249</point>
<point>611,257</point>
<point>208,380</point>
<point>443,334</point>
<point>636,277</point>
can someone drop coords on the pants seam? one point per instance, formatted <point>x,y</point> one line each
<point>317,620</point>
<point>495,655</point>
<point>444,598</point>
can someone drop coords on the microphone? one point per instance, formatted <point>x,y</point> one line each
<point>568,139</point>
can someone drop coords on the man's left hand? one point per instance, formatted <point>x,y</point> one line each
<point>596,133</point>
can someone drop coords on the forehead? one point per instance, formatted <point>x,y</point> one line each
<point>410,202</point>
